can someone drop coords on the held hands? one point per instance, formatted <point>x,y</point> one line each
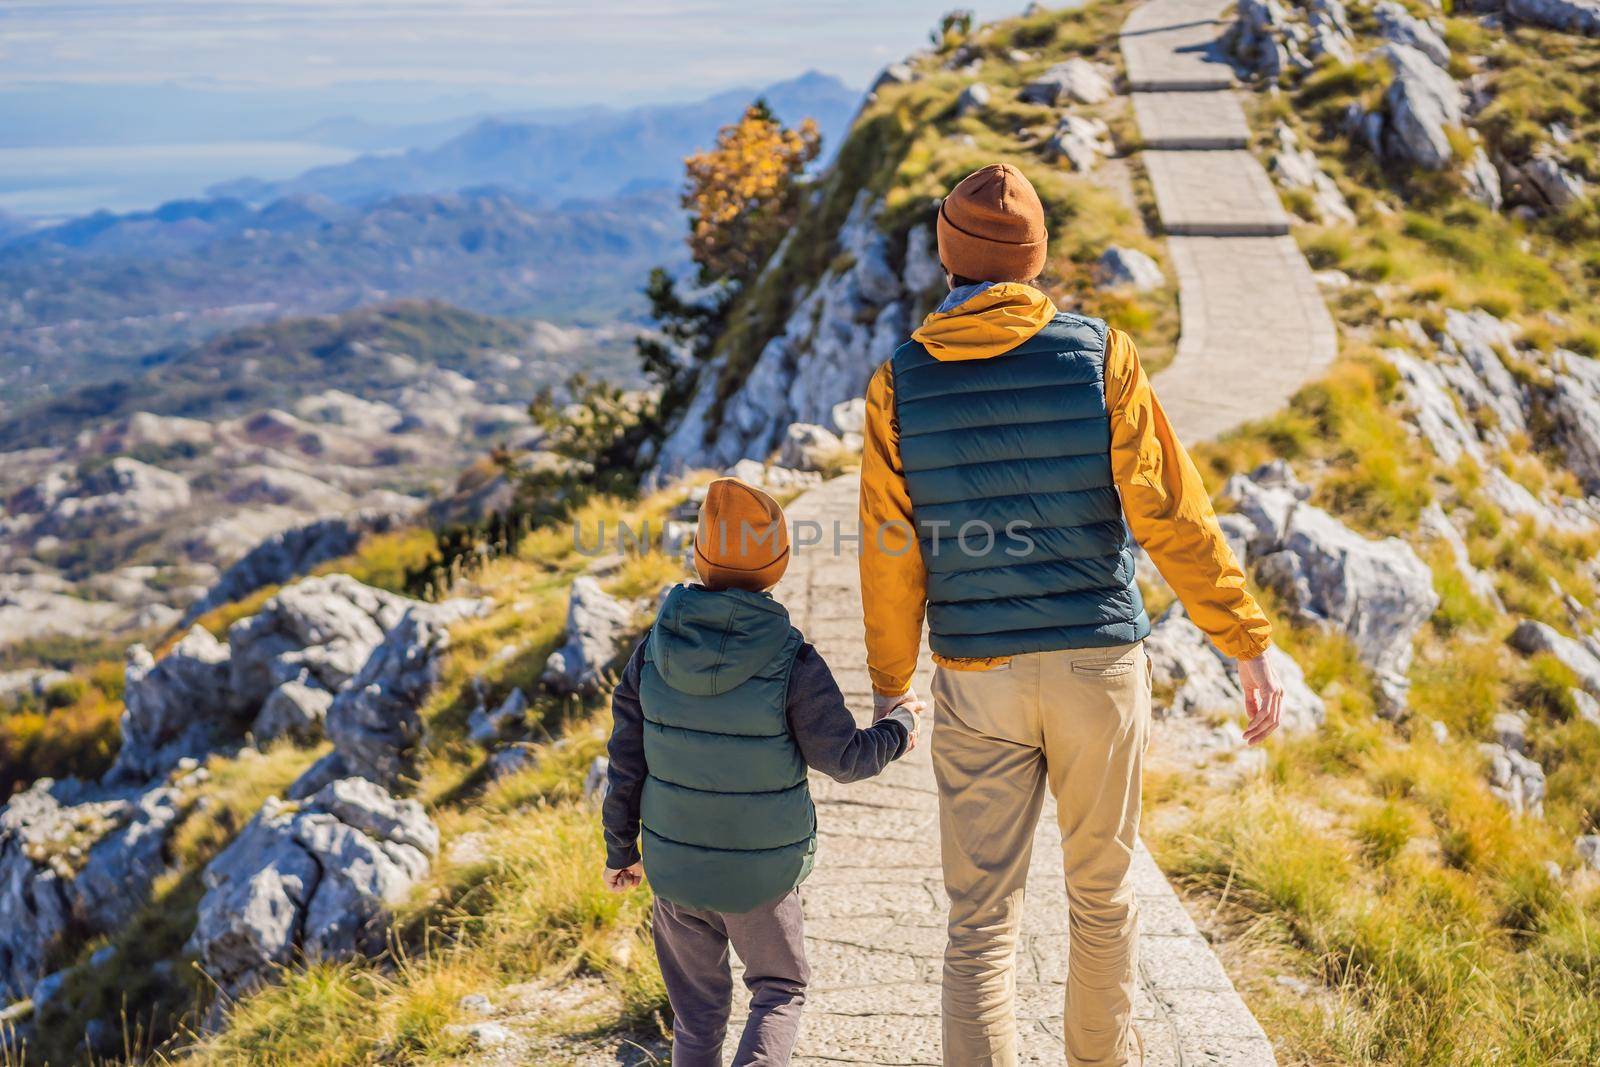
<point>1263,698</point>
<point>882,705</point>
<point>625,879</point>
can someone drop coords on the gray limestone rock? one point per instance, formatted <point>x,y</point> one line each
<point>287,555</point>
<point>597,626</point>
<point>1575,402</point>
<point>1577,16</point>
<point>1074,81</point>
<point>316,879</point>
<point>1423,102</point>
<point>1080,141</point>
<point>973,98</point>
<point>1399,26</point>
<point>375,723</point>
<point>183,705</point>
<point>1517,780</point>
<point>79,859</point>
<point>1120,267</point>
<point>485,726</point>
<point>808,447</point>
<point>295,709</point>
<point>1532,637</point>
<point>1379,593</point>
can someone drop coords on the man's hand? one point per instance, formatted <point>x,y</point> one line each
<point>1263,698</point>
<point>916,708</point>
<point>625,879</point>
<point>883,705</point>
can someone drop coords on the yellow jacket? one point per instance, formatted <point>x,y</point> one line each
<point>1163,498</point>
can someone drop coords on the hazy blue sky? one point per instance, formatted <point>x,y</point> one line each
<point>614,51</point>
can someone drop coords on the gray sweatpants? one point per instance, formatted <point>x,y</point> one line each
<point>693,948</point>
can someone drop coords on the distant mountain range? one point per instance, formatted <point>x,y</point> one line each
<point>558,217</point>
<point>591,154</point>
<point>82,302</point>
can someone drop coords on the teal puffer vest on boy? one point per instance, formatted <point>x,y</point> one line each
<point>1018,444</point>
<point>727,818</point>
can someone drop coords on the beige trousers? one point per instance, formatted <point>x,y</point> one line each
<point>1075,722</point>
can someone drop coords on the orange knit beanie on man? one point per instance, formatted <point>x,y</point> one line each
<point>743,541</point>
<point>991,227</point>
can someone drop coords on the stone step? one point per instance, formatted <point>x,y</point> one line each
<point>1253,330</point>
<point>1215,194</point>
<point>1171,46</point>
<point>1191,121</point>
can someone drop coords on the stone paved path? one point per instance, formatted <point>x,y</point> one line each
<point>1254,327</point>
<point>875,908</point>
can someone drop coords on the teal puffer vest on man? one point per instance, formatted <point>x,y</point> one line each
<point>727,821</point>
<point>1018,444</point>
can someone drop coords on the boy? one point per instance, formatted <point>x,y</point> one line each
<point>720,711</point>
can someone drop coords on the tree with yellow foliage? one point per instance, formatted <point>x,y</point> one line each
<point>744,193</point>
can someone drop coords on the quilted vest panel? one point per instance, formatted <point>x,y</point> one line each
<point>1008,464</point>
<point>727,819</point>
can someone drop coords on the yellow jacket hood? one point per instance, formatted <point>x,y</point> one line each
<point>987,324</point>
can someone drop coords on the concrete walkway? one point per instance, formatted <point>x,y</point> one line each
<point>875,908</point>
<point>1254,327</point>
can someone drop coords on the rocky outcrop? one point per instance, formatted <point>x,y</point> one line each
<point>375,722</point>
<point>1482,180</point>
<point>973,99</point>
<point>1576,16</point>
<point>1295,167</point>
<point>323,629</point>
<point>1513,777</point>
<point>1399,26</point>
<point>1580,656</point>
<point>285,671</point>
<point>1378,593</point>
<point>597,626</point>
<point>294,709</point>
<point>807,447</point>
<point>288,555</point>
<point>1202,679</point>
<point>486,726</point>
<point>837,334</point>
<point>1436,523</point>
<point>769,476</point>
<point>1075,81</point>
<point>1423,102</point>
<point>1261,41</point>
<point>77,859</point>
<point>314,880</point>
<point>182,706</point>
<point>1129,268</point>
<point>1081,141</point>
<point>1575,403</point>
<point>1547,183</point>
<point>1517,780</point>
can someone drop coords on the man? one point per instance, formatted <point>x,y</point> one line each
<point>1011,449</point>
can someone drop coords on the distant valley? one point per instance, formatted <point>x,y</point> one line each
<point>558,217</point>
<point>122,504</point>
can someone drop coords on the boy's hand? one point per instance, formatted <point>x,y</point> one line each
<point>916,708</point>
<point>625,879</point>
<point>883,705</point>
